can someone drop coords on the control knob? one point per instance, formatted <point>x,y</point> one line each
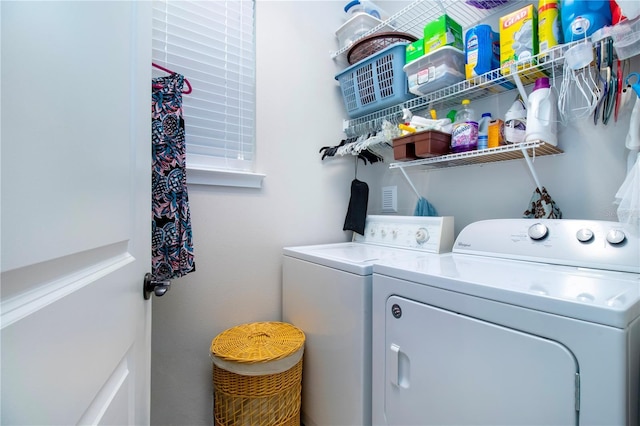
<point>584,235</point>
<point>422,235</point>
<point>538,231</point>
<point>615,236</point>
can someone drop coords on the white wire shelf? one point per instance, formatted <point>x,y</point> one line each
<point>490,155</point>
<point>413,17</point>
<point>488,84</point>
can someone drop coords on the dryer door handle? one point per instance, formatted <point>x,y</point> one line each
<point>394,364</point>
<point>398,367</point>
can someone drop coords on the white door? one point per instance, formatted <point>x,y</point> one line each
<point>75,212</point>
<point>445,368</point>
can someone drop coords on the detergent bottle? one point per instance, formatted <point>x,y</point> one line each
<point>464,136</point>
<point>581,18</point>
<point>482,50</point>
<point>542,115</point>
<point>483,130</point>
<point>549,32</point>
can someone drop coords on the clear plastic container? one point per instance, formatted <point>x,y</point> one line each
<point>464,136</point>
<point>435,70</point>
<point>357,27</point>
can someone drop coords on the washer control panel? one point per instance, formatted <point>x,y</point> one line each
<point>432,234</point>
<point>586,243</point>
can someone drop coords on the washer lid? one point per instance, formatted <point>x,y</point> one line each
<point>356,258</point>
<point>604,297</point>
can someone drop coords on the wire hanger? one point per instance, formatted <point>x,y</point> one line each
<point>160,67</point>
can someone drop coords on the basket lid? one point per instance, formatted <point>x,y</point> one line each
<point>257,342</point>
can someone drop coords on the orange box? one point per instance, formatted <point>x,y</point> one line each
<point>496,133</point>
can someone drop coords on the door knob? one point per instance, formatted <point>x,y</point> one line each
<point>158,287</point>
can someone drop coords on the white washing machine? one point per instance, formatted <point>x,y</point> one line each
<point>527,322</point>
<point>326,292</point>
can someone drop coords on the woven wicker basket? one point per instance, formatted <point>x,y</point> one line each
<point>257,375</point>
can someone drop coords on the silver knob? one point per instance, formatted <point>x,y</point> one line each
<point>584,235</point>
<point>615,236</point>
<point>422,235</point>
<point>158,287</point>
<point>538,231</point>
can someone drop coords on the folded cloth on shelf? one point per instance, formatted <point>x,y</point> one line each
<point>542,206</point>
<point>357,210</point>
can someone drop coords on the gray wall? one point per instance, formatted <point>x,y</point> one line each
<point>239,233</point>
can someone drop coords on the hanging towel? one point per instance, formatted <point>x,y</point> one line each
<point>424,208</point>
<point>628,196</point>
<point>542,206</point>
<point>357,210</point>
<point>171,240</point>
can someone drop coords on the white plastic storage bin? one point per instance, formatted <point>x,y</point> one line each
<point>438,69</point>
<point>356,27</point>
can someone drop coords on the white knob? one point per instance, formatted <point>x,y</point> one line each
<point>584,235</point>
<point>383,233</point>
<point>422,235</point>
<point>394,233</point>
<point>538,231</point>
<point>615,236</point>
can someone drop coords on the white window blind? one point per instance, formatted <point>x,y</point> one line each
<point>212,44</point>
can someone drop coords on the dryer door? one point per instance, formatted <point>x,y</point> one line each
<point>444,368</point>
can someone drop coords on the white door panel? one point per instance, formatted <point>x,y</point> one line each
<point>76,162</point>
<point>444,368</point>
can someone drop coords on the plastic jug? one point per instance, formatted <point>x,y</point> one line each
<point>549,32</point>
<point>482,50</point>
<point>542,115</point>
<point>581,18</point>
<point>464,136</point>
<point>365,6</point>
<point>483,130</point>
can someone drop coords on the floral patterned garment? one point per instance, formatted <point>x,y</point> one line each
<point>171,239</point>
<point>542,206</point>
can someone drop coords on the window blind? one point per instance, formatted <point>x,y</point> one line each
<point>212,44</point>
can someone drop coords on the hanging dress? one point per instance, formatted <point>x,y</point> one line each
<point>171,240</point>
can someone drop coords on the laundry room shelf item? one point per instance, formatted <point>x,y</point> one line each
<point>257,374</point>
<point>490,155</point>
<point>411,20</point>
<point>375,82</point>
<point>413,17</point>
<point>374,43</point>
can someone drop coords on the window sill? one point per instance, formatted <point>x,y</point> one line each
<point>203,176</point>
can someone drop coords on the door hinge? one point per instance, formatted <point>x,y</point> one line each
<point>577,391</point>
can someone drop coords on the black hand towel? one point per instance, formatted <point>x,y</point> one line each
<point>357,211</point>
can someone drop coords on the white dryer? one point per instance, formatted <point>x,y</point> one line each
<point>326,292</point>
<point>527,322</point>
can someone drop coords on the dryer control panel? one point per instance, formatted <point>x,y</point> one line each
<point>432,234</point>
<point>585,243</point>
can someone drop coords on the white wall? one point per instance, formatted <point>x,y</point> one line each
<point>239,233</point>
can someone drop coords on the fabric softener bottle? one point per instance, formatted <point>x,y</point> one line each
<point>464,136</point>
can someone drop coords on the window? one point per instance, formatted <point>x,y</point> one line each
<point>212,43</point>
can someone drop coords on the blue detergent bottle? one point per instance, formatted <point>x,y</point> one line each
<point>581,18</point>
<point>482,50</point>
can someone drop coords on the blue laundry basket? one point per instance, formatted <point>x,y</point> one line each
<point>375,82</point>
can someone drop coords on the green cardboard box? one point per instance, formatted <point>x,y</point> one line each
<point>414,50</point>
<point>444,31</point>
